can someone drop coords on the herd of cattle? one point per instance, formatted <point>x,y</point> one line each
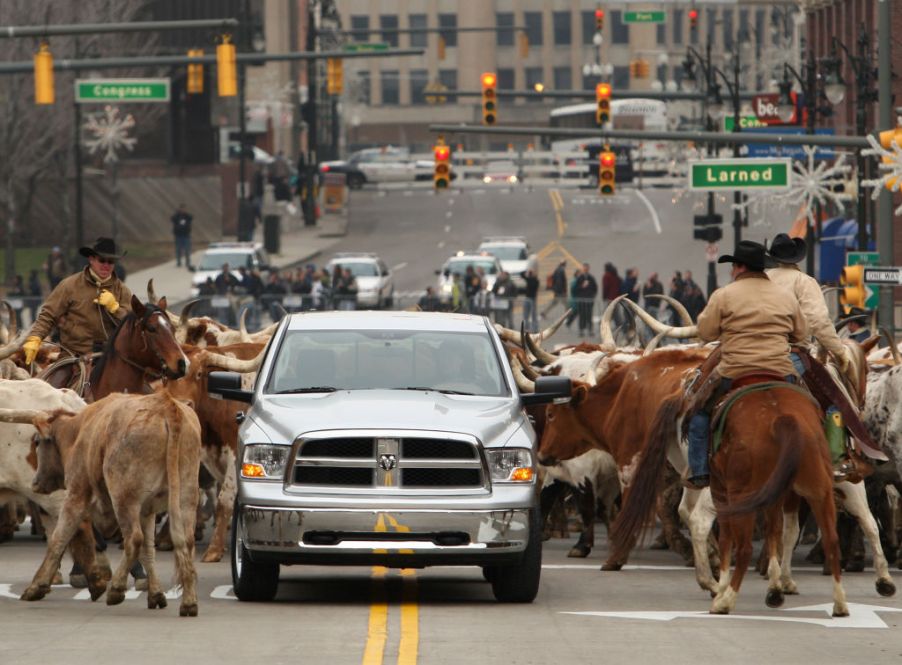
<point>119,459</point>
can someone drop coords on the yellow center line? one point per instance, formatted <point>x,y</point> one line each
<point>377,631</point>
<point>410,619</point>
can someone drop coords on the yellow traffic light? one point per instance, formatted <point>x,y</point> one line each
<point>854,293</point>
<point>887,139</point>
<point>226,69</point>
<point>195,83</point>
<point>43,75</point>
<point>334,76</point>
<point>441,176</point>
<point>607,165</point>
<point>603,99</point>
<point>489,98</point>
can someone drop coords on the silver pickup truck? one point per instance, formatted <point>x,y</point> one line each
<point>386,438</point>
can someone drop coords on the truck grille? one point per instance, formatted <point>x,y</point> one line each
<point>395,463</point>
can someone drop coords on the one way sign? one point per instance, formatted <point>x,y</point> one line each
<point>878,275</point>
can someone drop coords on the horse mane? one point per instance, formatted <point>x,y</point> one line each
<point>109,349</point>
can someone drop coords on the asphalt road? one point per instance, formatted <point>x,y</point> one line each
<point>648,613</point>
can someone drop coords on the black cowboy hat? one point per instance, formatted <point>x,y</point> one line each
<point>748,253</point>
<point>105,248</point>
<point>787,250</point>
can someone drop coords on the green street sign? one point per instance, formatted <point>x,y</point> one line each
<point>644,17</point>
<point>745,122</point>
<point>867,259</point>
<point>724,174</point>
<point>121,91</point>
<point>357,47</point>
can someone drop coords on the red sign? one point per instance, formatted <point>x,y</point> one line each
<point>765,108</point>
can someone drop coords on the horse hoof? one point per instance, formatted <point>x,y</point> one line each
<point>115,596</point>
<point>141,584</point>
<point>212,557</point>
<point>156,600</point>
<point>886,588</point>
<point>35,592</point>
<point>78,581</point>
<point>188,610</point>
<point>97,590</point>
<point>611,566</point>
<point>579,552</point>
<point>774,598</point>
<point>840,612</point>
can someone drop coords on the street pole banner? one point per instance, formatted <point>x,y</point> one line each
<point>742,174</point>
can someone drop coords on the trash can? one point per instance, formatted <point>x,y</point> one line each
<point>246,214</point>
<point>271,234</point>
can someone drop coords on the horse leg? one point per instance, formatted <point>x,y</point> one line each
<point>725,541</point>
<point>824,511</point>
<point>790,537</point>
<point>700,518</point>
<point>773,523</point>
<point>856,503</point>
<point>741,530</point>
<point>224,505</point>
<point>548,497</point>
<point>129,520</point>
<point>585,499</point>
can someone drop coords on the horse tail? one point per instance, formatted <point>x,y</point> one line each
<point>786,434</point>
<point>642,491</point>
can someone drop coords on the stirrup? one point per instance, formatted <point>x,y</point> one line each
<point>843,469</point>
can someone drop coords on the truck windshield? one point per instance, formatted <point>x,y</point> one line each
<point>462,363</point>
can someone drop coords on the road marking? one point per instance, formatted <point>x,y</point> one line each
<point>399,266</point>
<point>377,630</point>
<point>447,228</point>
<point>448,214</point>
<point>410,619</point>
<point>450,202</point>
<point>651,209</point>
<point>441,244</point>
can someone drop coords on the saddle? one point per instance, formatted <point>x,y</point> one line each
<point>71,372</point>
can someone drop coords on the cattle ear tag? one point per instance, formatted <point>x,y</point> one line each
<point>561,400</point>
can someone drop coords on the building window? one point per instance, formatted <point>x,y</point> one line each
<point>728,29</point>
<point>363,88</point>
<point>661,30</point>
<point>563,78</point>
<point>418,80</point>
<point>505,20</point>
<point>588,27</point>
<point>417,22</point>
<point>744,32</point>
<point>620,31</point>
<point>710,25</point>
<point>448,25</point>
<point>759,32</point>
<point>621,80</point>
<point>363,23</point>
<point>448,78</point>
<point>561,23</point>
<point>505,79</point>
<point>533,22</point>
<point>533,76</point>
<point>389,25</point>
<point>677,15</point>
<point>391,93</point>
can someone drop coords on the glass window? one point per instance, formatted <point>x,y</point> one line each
<point>677,18</point>
<point>448,24</point>
<point>621,77</point>
<point>661,30</point>
<point>391,94</point>
<point>563,78</point>
<point>417,22</point>
<point>620,31</point>
<point>360,23</point>
<point>728,29</point>
<point>418,80</point>
<point>533,23</point>
<point>711,24</point>
<point>561,23</point>
<point>505,79</point>
<point>448,78</point>
<point>590,81</point>
<point>744,32</point>
<point>389,24</point>
<point>503,20</point>
<point>533,76</point>
<point>759,31</point>
<point>588,26</point>
<point>363,87</point>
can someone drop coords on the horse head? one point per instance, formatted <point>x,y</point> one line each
<point>153,344</point>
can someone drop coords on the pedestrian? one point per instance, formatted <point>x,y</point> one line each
<point>677,288</point>
<point>585,290</point>
<point>482,294</point>
<point>252,286</point>
<point>56,267</point>
<point>652,287</point>
<point>181,232</point>
<point>858,331</point>
<point>273,293</point>
<point>503,294</point>
<point>572,302</point>
<point>279,174</point>
<point>345,289</point>
<point>457,294</point>
<point>530,293</point>
<point>225,285</point>
<point>610,289</point>
<point>558,286</point>
<point>630,285</point>
<point>429,302</point>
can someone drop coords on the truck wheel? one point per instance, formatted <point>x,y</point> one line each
<point>253,582</point>
<point>355,181</point>
<point>519,583</point>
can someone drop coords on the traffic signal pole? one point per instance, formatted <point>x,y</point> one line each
<point>885,205</point>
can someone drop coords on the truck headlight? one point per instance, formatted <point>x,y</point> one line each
<point>264,461</point>
<point>513,465</point>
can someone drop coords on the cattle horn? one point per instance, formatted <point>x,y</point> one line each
<point>231,364</point>
<point>653,344</point>
<point>524,384</point>
<point>591,376</point>
<point>893,349</point>
<point>8,349</point>
<point>515,337</point>
<point>266,332</point>
<point>682,332</point>
<point>13,328</point>
<point>530,372</point>
<point>151,294</point>
<point>25,416</point>
<point>186,312</point>
<point>680,309</point>
<point>242,328</point>
<point>874,329</point>
<point>605,330</point>
<point>535,348</point>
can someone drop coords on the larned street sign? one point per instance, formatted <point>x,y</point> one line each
<point>121,91</point>
<point>883,275</point>
<point>356,47</point>
<point>744,174</point>
<point>644,17</point>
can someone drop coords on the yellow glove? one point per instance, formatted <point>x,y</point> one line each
<point>108,300</point>
<point>31,346</point>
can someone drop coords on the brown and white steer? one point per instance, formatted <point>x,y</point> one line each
<point>122,460</point>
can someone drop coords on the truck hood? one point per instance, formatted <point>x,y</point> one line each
<point>284,417</point>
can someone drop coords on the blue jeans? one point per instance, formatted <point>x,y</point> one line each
<point>797,363</point>
<point>529,315</point>
<point>699,429</point>
<point>183,248</point>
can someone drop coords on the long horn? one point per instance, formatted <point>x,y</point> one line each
<point>234,364</point>
<point>653,344</point>
<point>524,384</point>
<point>242,328</point>
<point>515,337</point>
<point>683,313</point>
<point>553,328</point>
<point>26,416</point>
<point>8,349</point>
<point>508,335</point>
<point>266,332</point>
<point>530,372</point>
<point>151,294</point>
<point>605,330</point>
<point>13,328</point>
<point>535,348</point>
<point>591,375</point>
<point>874,330</point>
<point>186,312</point>
<point>681,332</point>
<point>897,359</point>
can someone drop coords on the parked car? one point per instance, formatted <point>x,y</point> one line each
<point>504,171</point>
<point>458,264</point>
<point>375,165</point>
<point>395,439</point>
<point>375,282</point>
<point>513,253</point>
<point>251,255</point>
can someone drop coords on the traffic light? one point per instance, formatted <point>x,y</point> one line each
<point>603,99</point>
<point>524,45</point>
<point>489,99</point>
<point>853,293</point>
<point>708,228</point>
<point>599,20</point>
<point>226,71</point>
<point>607,164</point>
<point>441,48</point>
<point>693,18</point>
<point>195,83</point>
<point>639,69</point>
<point>441,177</point>
<point>887,139</point>
<point>43,75</point>
<point>334,76</point>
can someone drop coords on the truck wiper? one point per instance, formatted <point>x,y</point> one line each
<point>438,390</point>
<point>311,389</point>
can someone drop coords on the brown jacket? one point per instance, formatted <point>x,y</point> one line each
<point>71,308</point>
<point>755,323</point>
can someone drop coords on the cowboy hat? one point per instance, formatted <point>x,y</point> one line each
<point>748,253</point>
<point>787,250</point>
<point>105,248</point>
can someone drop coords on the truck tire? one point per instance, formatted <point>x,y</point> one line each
<point>519,583</point>
<point>251,581</point>
<point>355,180</point>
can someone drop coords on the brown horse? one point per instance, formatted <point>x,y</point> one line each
<point>773,450</point>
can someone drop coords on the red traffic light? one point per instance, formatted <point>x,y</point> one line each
<point>602,90</point>
<point>608,159</point>
<point>442,153</point>
<point>693,14</point>
<point>599,13</point>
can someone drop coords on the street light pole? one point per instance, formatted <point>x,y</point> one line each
<point>309,204</point>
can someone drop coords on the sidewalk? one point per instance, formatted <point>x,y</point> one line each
<point>299,244</point>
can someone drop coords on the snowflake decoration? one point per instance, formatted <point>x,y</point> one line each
<point>812,183</point>
<point>890,166</point>
<point>110,131</point>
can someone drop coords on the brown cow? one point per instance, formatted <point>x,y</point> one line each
<point>122,460</point>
